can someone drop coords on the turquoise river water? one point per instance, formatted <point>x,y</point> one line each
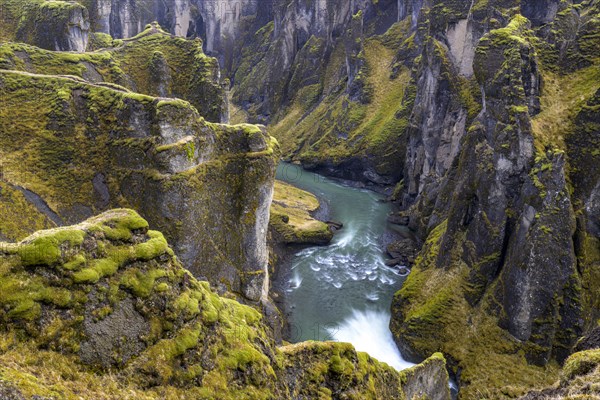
<point>343,291</point>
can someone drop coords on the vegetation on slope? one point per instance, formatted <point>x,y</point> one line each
<point>152,63</point>
<point>105,309</point>
<point>325,125</point>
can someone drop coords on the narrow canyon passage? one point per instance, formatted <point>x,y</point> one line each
<point>342,291</point>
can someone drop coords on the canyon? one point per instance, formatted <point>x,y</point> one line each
<point>477,121</point>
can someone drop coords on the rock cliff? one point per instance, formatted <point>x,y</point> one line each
<point>497,196</point>
<point>152,63</point>
<point>52,25</point>
<point>81,148</point>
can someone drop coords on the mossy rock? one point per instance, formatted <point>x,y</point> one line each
<point>145,326</point>
<point>90,147</point>
<point>291,218</point>
<point>153,63</point>
<point>50,24</point>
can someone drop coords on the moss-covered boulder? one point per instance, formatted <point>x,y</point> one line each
<point>111,311</point>
<point>50,24</point>
<point>83,148</point>
<point>111,292</point>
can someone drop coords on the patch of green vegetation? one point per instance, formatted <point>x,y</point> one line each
<point>580,364</point>
<point>338,128</point>
<point>19,217</point>
<point>41,22</point>
<point>562,98</point>
<point>199,345</point>
<point>291,216</point>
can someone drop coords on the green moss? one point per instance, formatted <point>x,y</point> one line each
<point>75,264</point>
<point>47,250</point>
<point>88,275</point>
<point>18,217</point>
<point>581,363</point>
<point>41,22</point>
<point>562,98</point>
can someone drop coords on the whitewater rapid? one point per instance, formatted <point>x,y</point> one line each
<point>343,291</point>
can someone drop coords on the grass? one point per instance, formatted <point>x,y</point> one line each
<point>562,98</point>
<point>296,205</point>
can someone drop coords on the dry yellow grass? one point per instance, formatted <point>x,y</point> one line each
<point>562,97</point>
<point>297,205</point>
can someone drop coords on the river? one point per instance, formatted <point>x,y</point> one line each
<point>343,291</point>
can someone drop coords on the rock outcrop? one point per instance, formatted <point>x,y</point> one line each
<point>110,293</point>
<point>291,220</point>
<point>83,148</point>
<point>53,25</point>
<point>220,23</point>
<point>153,63</point>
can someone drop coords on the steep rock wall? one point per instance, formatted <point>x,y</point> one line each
<point>56,25</point>
<point>504,217</point>
<point>88,147</point>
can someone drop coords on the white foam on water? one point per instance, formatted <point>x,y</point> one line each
<point>296,281</point>
<point>368,331</point>
<point>345,237</point>
<point>306,252</point>
<point>373,296</point>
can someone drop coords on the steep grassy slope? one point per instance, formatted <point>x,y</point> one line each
<point>326,129</point>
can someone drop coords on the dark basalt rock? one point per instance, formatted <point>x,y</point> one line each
<point>540,12</point>
<point>403,252</point>
<point>589,341</point>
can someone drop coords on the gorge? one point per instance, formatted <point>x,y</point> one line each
<point>467,130</point>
